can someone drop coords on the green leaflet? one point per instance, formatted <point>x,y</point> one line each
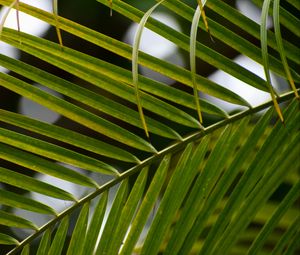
<point>217,187</point>
<point>170,70</point>
<point>295,3</point>
<point>203,52</point>
<point>259,195</point>
<point>98,73</point>
<point>234,40</point>
<point>275,218</point>
<point>54,152</point>
<point>76,245</point>
<point>113,218</point>
<point>201,189</point>
<point>253,28</point>
<point>177,187</point>
<point>146,206</point>
<point>92,99</point>
<point>44,166</point>
<point>264,50</point>
<point>31,184</point>
<point>6,239</point>
<point>224,183</point>
<point>95,224</point>
<point>128,211</point>
<point>15,3</point>
<point>26,250</point>
<point>75,113</point>
<point>281,50</point>
<point>134,60</point>
<point>193,40</point>
<point>58,242</point>
<point>67,136</point>
<point>292,231</point>
<point>248,180</point>
<point>287,19</point>
<point>106,105</point>
<point>293,246</point>
<point>14,200</point>
<point>44,243</point>
<point>55,14</point>
<point>11,220</point>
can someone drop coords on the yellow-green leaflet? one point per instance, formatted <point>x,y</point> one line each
<point>14,3</point>
<point>193,39</point>
<point>264,49</point>
<point>135,54</point>
<point>55,12</point>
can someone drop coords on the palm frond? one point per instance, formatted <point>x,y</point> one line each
<point>191,189</point>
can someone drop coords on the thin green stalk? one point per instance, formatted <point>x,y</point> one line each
<point>135,56</point>
<point>55,13</point>
<point>193,40</point>
<point>276,5</point>
<point>264,49</point>
<point>10,7</point>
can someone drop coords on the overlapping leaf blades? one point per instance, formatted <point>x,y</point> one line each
<point>194,189</point>
<point>195,174</point>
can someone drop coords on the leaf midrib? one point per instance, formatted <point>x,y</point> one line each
<point>168,150</point>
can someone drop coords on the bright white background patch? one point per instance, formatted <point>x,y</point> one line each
<point>9,51</point>
<point>28,24</point>
<point>250,10</point>
<point>157,46</point>
<point>151,42</point>
<point>37,111</point>
<point>252,95</point>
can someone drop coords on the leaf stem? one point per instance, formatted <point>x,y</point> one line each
<point>170,149</point>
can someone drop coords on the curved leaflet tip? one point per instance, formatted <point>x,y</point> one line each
<point>278,36</point>
<point>193,39</point>
<point>17,14</point>
<point>265,57</point>
<point>16,4</point>
<point>135,53</point>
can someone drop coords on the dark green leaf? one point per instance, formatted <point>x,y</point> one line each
<point>44,243</point>
<point>95,224</point>
<point>79,233</point>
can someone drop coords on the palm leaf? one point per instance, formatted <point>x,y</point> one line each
<point>191,189</point>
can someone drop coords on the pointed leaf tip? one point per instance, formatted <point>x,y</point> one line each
<point>8,240</point>
<point>135,52</point>
<point>193,40</point>
<point>201,5</point>
<point>55,14</point>
<point>276,5</point>
<point>265,56</point>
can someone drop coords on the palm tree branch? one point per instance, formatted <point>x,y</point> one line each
<point>177,146</point>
